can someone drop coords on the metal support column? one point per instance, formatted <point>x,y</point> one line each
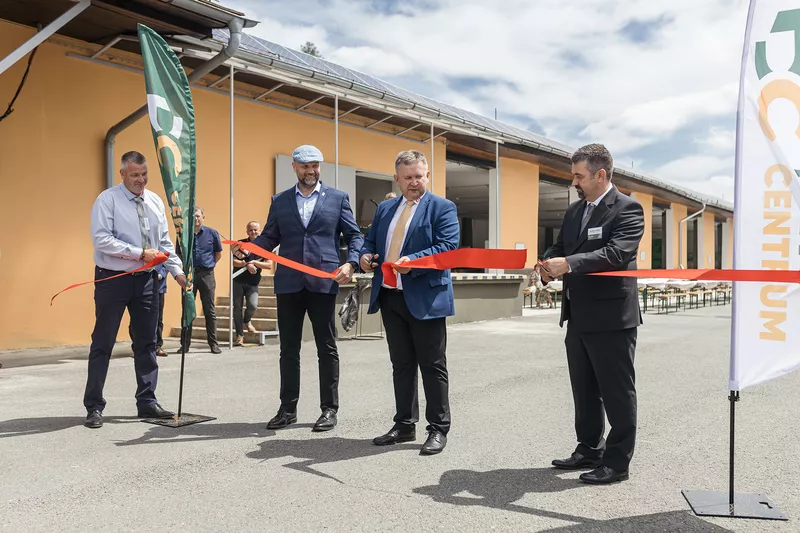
<point>230,228</point>
<point>336,140</point>
<point>43,35</point>
<point>432,158</point>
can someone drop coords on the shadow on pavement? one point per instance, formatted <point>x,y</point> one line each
<point>321,451</point>
<point>199,432</point>
<point>501,489</point>
<point>34,426</point>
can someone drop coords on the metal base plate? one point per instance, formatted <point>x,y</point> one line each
<point>746,505</point>
<point>186,419</point>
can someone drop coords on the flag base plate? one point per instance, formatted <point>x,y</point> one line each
<point>746,505</point>
<point>186,419</point>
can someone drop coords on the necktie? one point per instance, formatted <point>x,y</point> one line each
<point>399,233</point>
<point>586,216</point>
<point>143,224</point>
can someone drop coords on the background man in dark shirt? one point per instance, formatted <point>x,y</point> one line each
<point>245,285</point>
<point>207,251</point>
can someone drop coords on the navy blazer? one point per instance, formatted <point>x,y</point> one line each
<point>317,245</point>
<point>434,229</point>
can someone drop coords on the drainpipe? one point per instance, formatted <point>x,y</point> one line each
<point>680,234</point>
<point>235,26</point>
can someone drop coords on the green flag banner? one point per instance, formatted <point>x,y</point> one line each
<point>169,104</point>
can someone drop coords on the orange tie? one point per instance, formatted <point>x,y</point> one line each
<point>399,232</point>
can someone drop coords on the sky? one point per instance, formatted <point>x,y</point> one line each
<point>656,82</point>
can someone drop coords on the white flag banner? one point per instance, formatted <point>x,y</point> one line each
<point>766,316</point>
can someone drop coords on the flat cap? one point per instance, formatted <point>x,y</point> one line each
<point>307,154</point>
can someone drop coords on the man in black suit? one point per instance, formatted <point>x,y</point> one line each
<point>600,233</point>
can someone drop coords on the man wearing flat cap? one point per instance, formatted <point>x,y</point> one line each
<point>307,221</point>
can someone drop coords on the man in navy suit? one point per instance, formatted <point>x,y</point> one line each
<point>306,222</point>
<point>414,307</point>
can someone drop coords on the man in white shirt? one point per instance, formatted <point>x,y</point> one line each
<point>129,228</point>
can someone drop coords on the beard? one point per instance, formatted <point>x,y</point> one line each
<point>310,181</point>
<point>581,194</point>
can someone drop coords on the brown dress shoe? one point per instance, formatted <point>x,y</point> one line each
<point>160,352</point>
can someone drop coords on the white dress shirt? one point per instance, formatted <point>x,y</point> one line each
<point>116,235</point>
<point>390,232</point>
<point>306,204</point>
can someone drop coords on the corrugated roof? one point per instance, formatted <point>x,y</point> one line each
<point>430,106</point>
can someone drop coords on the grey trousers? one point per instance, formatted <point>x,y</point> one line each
<point>206,284</point>
<point>248,293</point>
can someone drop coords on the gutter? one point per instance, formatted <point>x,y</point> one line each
<point>235,26</point>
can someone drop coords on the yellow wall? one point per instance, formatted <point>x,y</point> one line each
<point>519,200</point>
<point>679,212</point>
<point>709,240</point>
<point>646,246</point>
<point>52,169</point>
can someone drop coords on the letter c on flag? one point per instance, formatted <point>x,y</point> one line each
<point>169,144</point>
<point>775,90</point>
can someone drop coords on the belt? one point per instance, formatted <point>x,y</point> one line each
<point>117,272</point>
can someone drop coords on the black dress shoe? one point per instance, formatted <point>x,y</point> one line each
<point>215,349</point>
<point>281,420</point>
<point>154,411</point>
<point>603,475</point>
<point>395,436</point>
<point>326,421</point>
<point>435,443</point>
<point>94,420</point>
<point>577,461</point>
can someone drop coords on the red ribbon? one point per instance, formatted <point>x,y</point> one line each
<point>252,248</point>
<point>762,276</point>
<point>160,258</point>
<point>461,258</point>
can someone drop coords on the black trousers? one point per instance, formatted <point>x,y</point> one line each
<point>137,294</point>
<point>416,344</point>
<point>159,328</point>
<point>292,309</point>
<point>206,284</point>
<point>603,383</point>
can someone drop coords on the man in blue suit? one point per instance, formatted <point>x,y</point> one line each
<point>306,221</point>
<point>414,306</point>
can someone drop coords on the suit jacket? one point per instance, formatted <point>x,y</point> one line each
<point>433,229</point>
<point>601,303</point>
<point>317,245</point>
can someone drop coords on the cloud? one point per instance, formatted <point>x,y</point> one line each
<point>630,73</point>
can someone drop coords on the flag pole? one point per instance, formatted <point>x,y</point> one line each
<point>184,332</point>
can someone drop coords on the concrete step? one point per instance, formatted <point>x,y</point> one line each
<point>261,324</point>
<point>261,312</point>
<point>267,280</point>
<point>199,335</point>
<point>263,301</point>
<point>266,290</point>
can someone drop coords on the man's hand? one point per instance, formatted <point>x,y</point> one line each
<point>251,268</point>
<point>369,262</point>
<point>345,273</point>
<point>181,279</point>
<point>149,255</point>
<point>402,270</point>
<point>556,267</point>
<point>545,277</point>
<point>238,248</point>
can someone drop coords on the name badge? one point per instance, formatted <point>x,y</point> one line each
<point>595,233</point>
